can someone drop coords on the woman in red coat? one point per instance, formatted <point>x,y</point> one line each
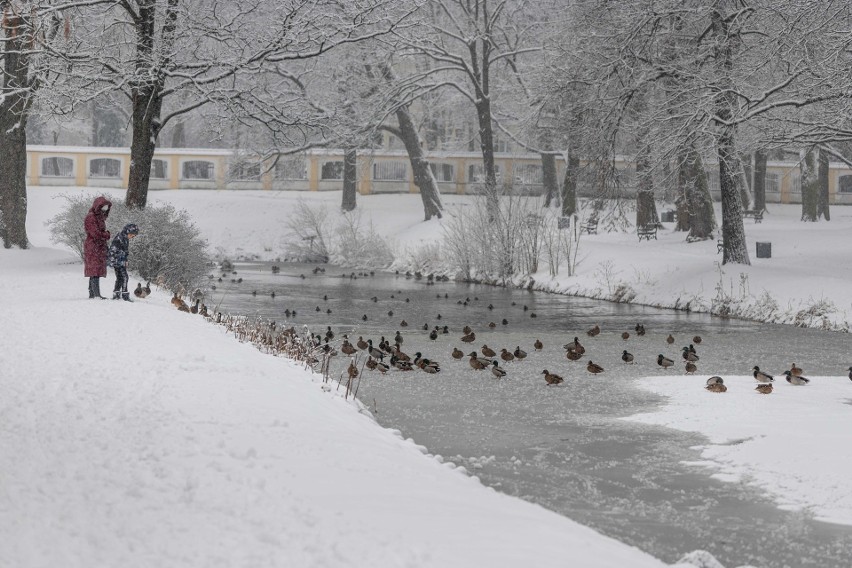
<point>95,247</point>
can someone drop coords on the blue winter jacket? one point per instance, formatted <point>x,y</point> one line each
<point>119,248</point>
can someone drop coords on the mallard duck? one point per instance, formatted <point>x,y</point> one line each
<point>364,317</point>
<point>203,310</point>
<point>317,309</point>
<point>445,330</point>
<point>690,367</point>
<point>497,371</point>
<point>573,355</point>
<point>506,356</point>
<point>469,338</point>
<point>626,357</point>
<point>377,353</point>
<point>689,355</point>
<point>520,353</point>
<point>797,380</point>
<point>594,331</point>
<point>492,325</point>
<point>433,335</point>
<point>762,377</point>
<point>538,345</point>
<point>696,339</point>
<point>640,329</point>
<point>575,346</point>
<point>476,363</point>
<point>430,367</point>
<point>794,370</point>
<point>625,335</point>
<point>362,345</point>
<point>716,387</point>
<point>466,330</point>
<point>457,353</point>
<point>490,307</point>
<point>194,308</point>
<point>400,364</point>
<point>399,354</point>
<point>764,388</point>
<point>382,367</point>
<point>533,315</point>
<point>370,364</point>
<point>504,321</point>
<point>352,370</point>
<point>552,378</point>
<point>347,348</point>
<point>328,333</point>
<point>594,368</point>
<point>139,292</point>
<point>664,362</point>
<point>425,327</point>
<point>715,380</point>
<point>692,349</point>
<point>670,339</point>
<point>488,352</point>
<point>403,323</point>
<point>398,338</point>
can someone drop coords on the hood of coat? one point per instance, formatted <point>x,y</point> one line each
<point>100,201</point>
<point>130,229</point>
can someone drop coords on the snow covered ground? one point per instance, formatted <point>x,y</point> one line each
<point>143,436</point>
<point>137,435</point>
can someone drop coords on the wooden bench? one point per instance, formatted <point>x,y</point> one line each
<point>756,214</point>
<point>647,232</point>
<point>590,226</point>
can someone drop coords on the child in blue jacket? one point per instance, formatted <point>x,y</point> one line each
<point>119,250</point>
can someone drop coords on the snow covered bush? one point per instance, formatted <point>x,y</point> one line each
<point>169,249</point>
<point>308,238</point>
<point>357,246</point>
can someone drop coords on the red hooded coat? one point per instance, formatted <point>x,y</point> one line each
<point>95,247</point>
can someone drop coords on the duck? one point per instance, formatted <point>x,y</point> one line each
<point>390,313</point>
<point>445,330</point>
<point>762,377</point>
<point>538,345</point>
<point>716,387</point>
<point>469,338</point>
<point>492,325</point>
<point>689,355</point>
<point>764,388</point>
<point>400,364</point>
<point>430,367</point>
<point>347,348</point>
<point>466,330</point>
<point>403,323</point>
<point>794,370</point>
<point>552,378</point>
<point>664,362</point>
<point>377,353</point>
<point>488,352</point>
<point>317,309</point>
<point>715,380</point>
<point>797,380</point>
<point>575,346</point>
<point>639,329</point>
<point>670,339</point>
<point>328,333</point>
<point>352,370</point>
<point>139,292</point>
<point>364,317</point>
<point>697,339</point>
<point>573,355</point>
<point>594,331</point>
<point>476,363</point>
<point>497,371</point>
<point>194,308</point>
<point>533,315</point>
<point>519,353</point>
<point>594,368</point>
<point>625,336</point>
<point>504,321</point>
<point>399,354</point>
<point>362,345</point>
<point>627,357</point>
<point>457,353</point>
<point>382,367</point>
<point>690,367</point>
<point>506,356</point>
<point>433,335</point>
<point>425,327</point>
<point>850,373</point>
<point>203,310</point>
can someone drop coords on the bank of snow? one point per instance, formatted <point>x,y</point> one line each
<point>137,435</point>
<point>805,283</point>
<point>793,443</point>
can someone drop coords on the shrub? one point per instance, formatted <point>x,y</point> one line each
<point>169,249</point>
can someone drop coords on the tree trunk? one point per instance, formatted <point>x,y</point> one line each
<point>548,177</point>
<point>702,219</point>
<point>423,177</point>
<point>146,126</point>
<point>486,145</point>
<point>822,175</point>
<point>646,207</point>
<point>809,177</point>
<point>350,179</point>
<point>759,185</point>
<point>14,112</point>
<point>569,184</point>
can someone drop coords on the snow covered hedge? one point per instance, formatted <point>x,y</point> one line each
<point>169,249</point>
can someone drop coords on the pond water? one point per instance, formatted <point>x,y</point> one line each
<point>565,448</point>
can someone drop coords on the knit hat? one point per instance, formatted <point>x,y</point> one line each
<point>131,229</point>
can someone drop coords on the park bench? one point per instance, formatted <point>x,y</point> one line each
<point>756,214</point>
<point>647,231</point>
<point>590,226</point>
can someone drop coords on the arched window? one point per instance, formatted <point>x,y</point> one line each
<point>198,169</point>
<point>57,167</point>
<point>105,168</point>
<point>159,169</point>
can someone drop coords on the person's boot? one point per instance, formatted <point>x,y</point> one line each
<point>91,288</point>
<point>97,288</point>
<point>126,296</point>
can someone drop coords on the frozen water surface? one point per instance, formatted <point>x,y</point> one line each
<point>565,447</point>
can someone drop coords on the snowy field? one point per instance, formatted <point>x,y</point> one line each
<point>157,440</point>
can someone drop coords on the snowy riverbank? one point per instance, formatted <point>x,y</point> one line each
<point>136,435</point>
<point>806,282</point>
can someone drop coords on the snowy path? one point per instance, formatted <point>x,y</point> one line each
<point>135,435</point>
